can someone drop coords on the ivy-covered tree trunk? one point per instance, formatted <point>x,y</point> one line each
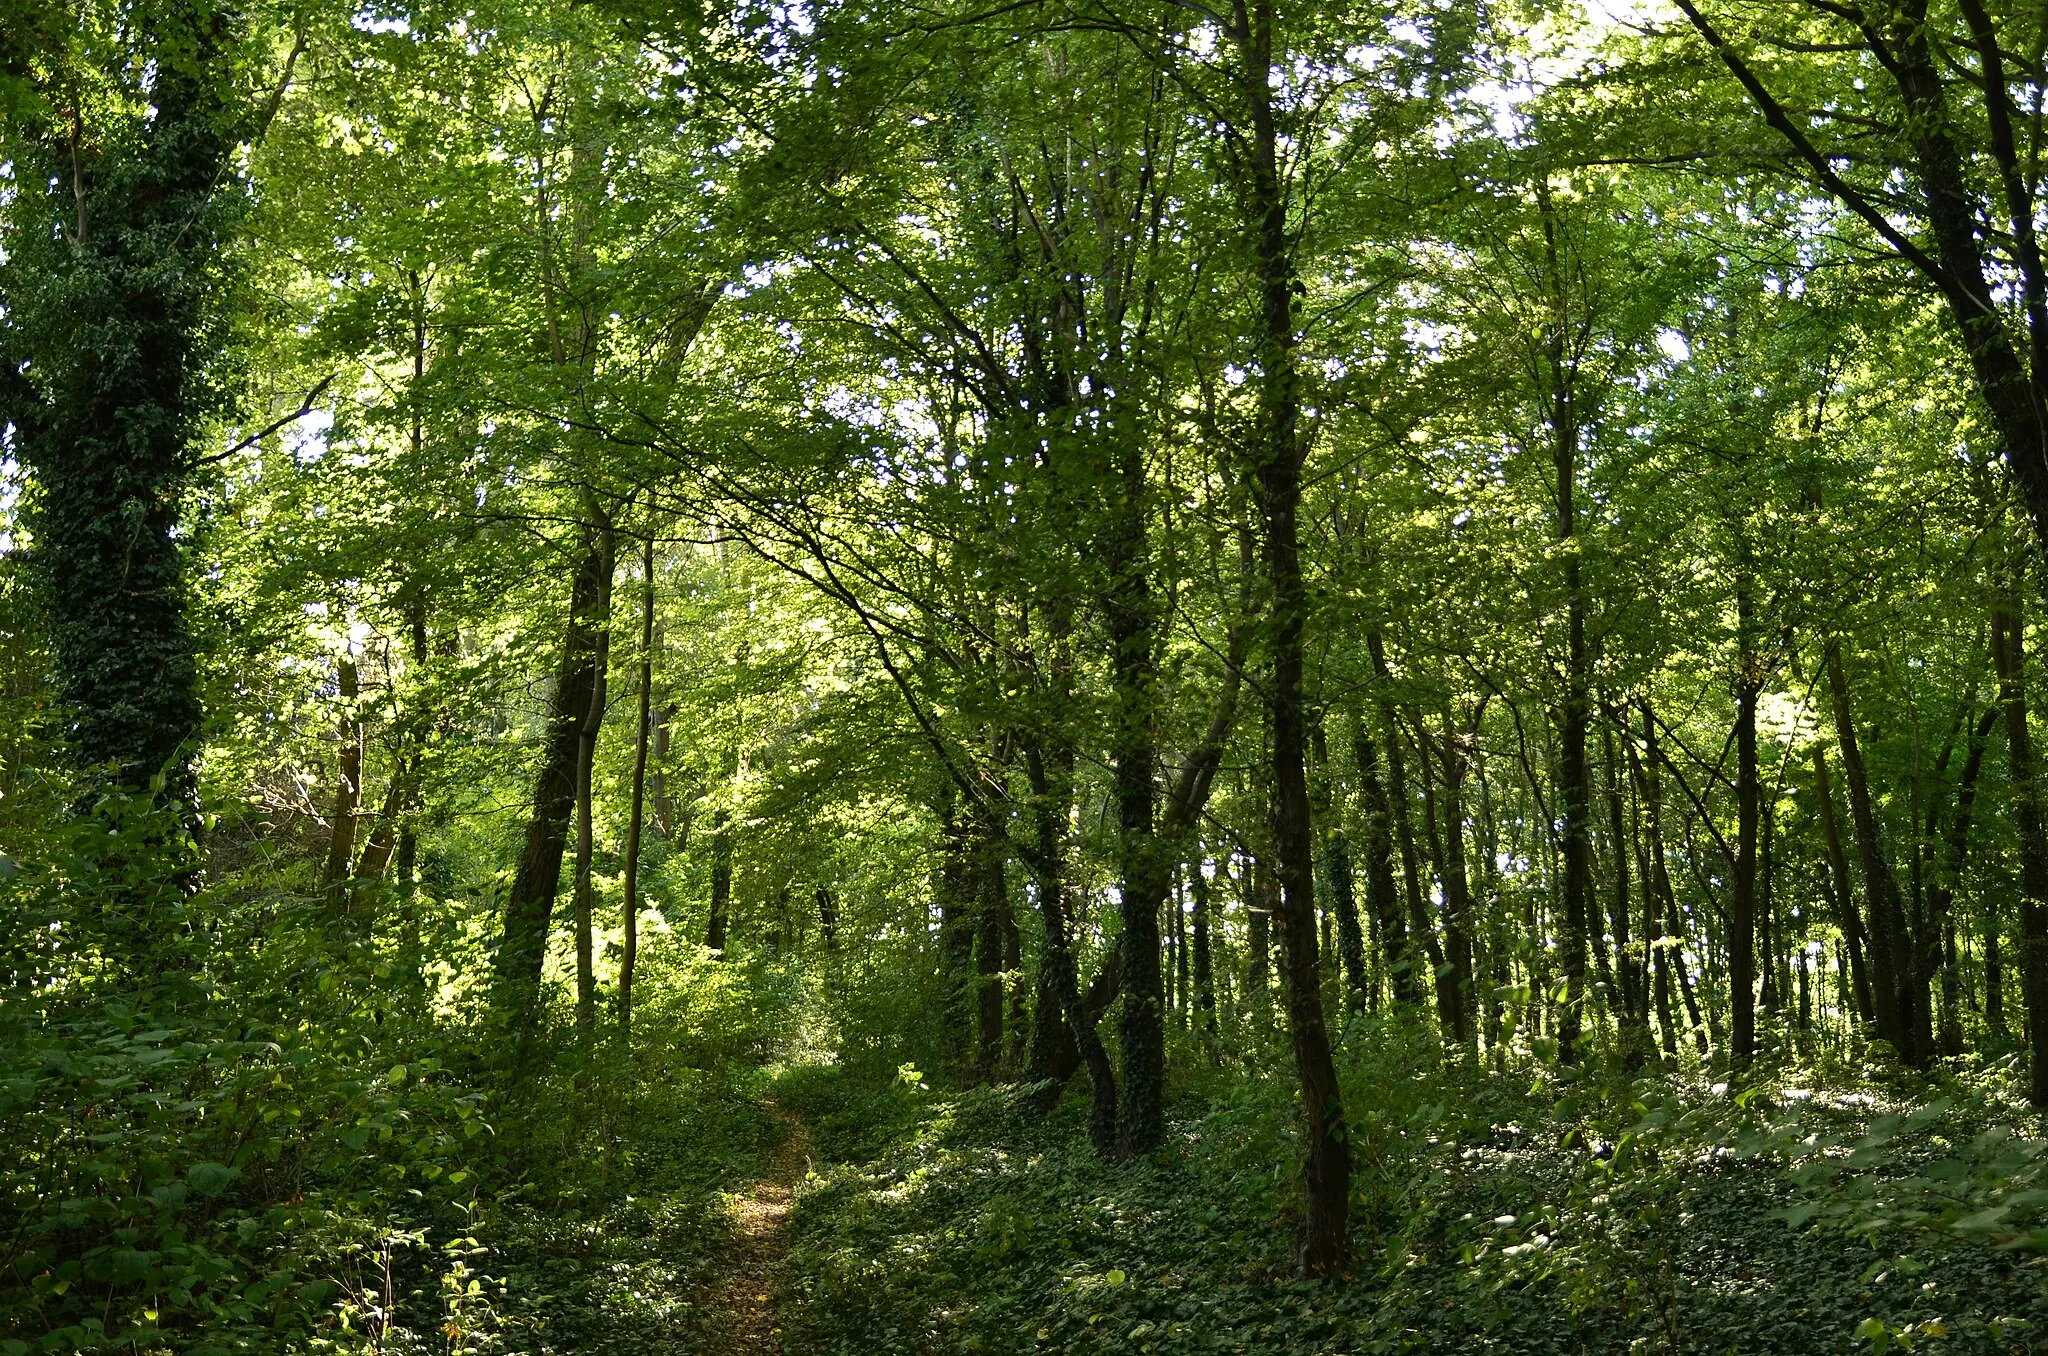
<point>1143,867</point>
<point>112,324</point>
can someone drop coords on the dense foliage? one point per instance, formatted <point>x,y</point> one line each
<point>1298,676</point>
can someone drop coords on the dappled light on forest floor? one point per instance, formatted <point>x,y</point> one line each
<point>741,1298</point>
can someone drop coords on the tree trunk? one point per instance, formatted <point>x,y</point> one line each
<point>1382,897</point>
<point>583,893</point>
<point>1419,931</point>
<point>1457,888</point>
<point>119,328</point>
<point>1628,956</point>
<point>1838,876</point>
<point>721,884</point>
<point>1667,957</point>
<point>629,917</point>
<point>1051,797</point>
<point>1258,932</point>
<point>1941,897</point>
<point>529,907</point>
<point>1881,888</point>
<point>1204,973</point>
<point>665,822</point>
<point>1325,1243</point>
<point>1742,899</point>
<point>348,784</point>
<point>989,943</point>
<point>2008,651</point>
<point>1450,1008</point>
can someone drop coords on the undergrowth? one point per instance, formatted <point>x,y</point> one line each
<point>1494,1212</point>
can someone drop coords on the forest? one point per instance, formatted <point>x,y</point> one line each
<point>1015,676</point>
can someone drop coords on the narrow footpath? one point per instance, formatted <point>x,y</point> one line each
<point>742,1299</point>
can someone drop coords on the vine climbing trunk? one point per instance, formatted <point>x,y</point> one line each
<point>114,282</point>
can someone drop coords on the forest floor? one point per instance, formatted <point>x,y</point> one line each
<point>1486,1222</point>
<point>740,1301</point>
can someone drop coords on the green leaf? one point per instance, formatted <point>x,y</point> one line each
<point>211,1179</point>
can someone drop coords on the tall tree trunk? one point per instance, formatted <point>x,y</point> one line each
<point>348,783</point>
<point>1342,905</point>
<point>1846,913</point>
<point>1667,941</point>
<point>1420,933</point>
<point>828,917</point>
<point>1257,880</point>
<point>2008,652</point>
<point>1325,1242</point>
<point>1204,972</point>
<point>665,822</point>
<point>1382,897</point>
<point>716,924</point>
<point>1450,1007</point>
<point>407,867</point>
<point>1628,956</point>
<point>1142,864</point>
<point>1457,885</point>
<point>1051,797</point>
<point>629,917</point>
<point>114,317</point>
<point>529,907</point>
<point>1941,897</point>
<point>1566,419</point>
<point>1742,899</point>
<point>989,942</point>
<point>582,890</point>
<point>1177,904</point>
<point>1994,970</point>
<point>1020,991</point>
<point>1880,886</point>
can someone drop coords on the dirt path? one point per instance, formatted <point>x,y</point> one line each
<point>743,1297</point>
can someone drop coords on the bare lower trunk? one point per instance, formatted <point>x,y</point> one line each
<point>348,783</point>
<point>629,903</point>
<point>1882,912</point>
<point>721,884</point>
<point>529,907</point>
<point>2009,654</point>
<point>1742,899</point>
<point>1844,898</point>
